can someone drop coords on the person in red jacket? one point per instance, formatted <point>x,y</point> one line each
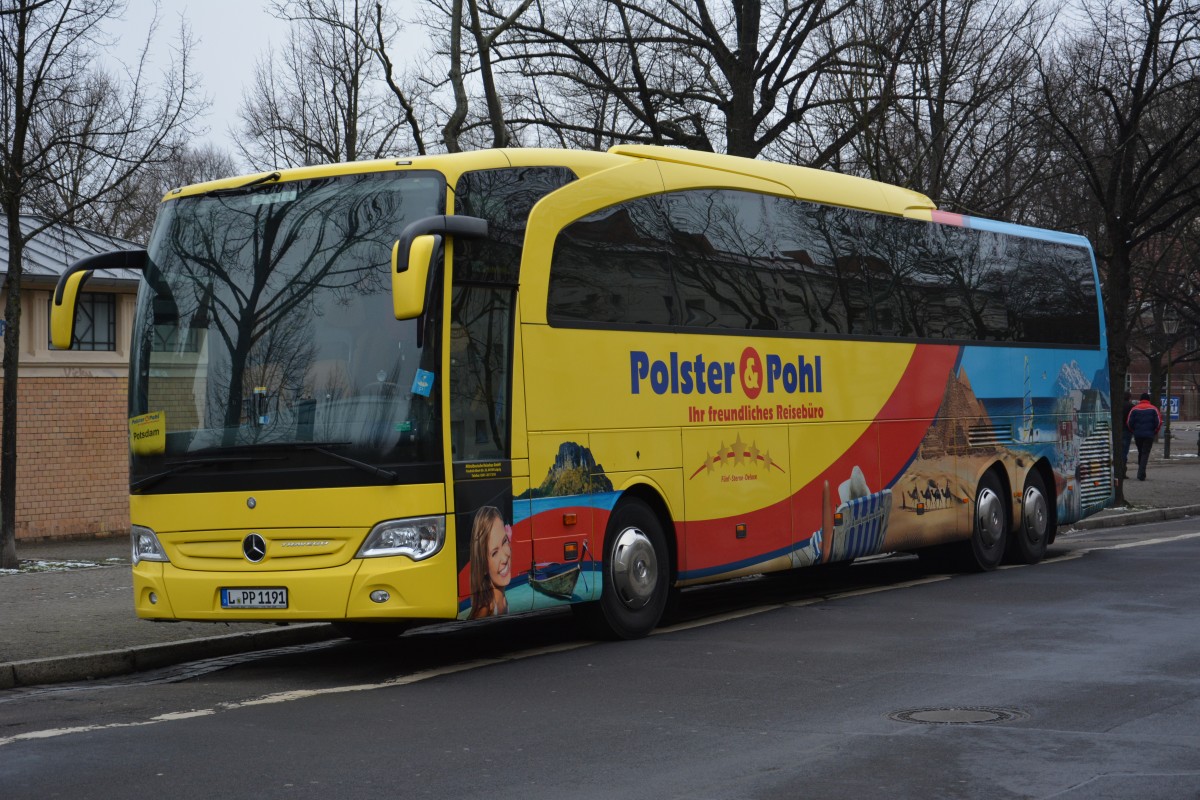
<point>1143,422</point>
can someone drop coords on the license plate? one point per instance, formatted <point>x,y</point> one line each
<point>254,598</point>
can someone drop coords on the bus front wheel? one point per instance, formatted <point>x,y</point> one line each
<point>636,573</point>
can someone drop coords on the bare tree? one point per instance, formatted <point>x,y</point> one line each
<point>1120,100</point>
<point>459,85</point>
<point>405,88</point>
<point>959,128</point>
<point>729,75</point>
<point>130,212</point>
<point>1167,286</point>
<point>321,99</point>
<point>53,102</point>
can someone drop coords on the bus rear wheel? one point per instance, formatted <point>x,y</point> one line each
<point>636,574</point>
<point>989,532</point>
<point>1028,545</point>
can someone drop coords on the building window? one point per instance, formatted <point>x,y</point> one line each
<point>95,322</point>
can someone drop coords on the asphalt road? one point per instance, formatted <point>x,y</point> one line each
<point>1076,678</point>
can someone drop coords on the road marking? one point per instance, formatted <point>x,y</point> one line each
<point>874,589</point>
<point>726,617</point>
<point>807,601</point>
<point>1145,542</point>
<point>287,697</point>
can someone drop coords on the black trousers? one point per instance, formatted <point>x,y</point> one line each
<point>1143,444</point>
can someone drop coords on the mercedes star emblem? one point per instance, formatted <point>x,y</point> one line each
<point>254,547</point>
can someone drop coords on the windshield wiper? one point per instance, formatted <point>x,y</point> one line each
<point>317,447</point>
<point>183,466</point>
<point>323,449</point>
<point>245,188</point>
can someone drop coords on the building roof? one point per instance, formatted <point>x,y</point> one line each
<point>49,253</point>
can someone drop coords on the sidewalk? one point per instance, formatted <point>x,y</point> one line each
<point>75,620</point>
<point>1171,488</point>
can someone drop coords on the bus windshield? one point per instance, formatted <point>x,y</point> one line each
<point>265,351</point>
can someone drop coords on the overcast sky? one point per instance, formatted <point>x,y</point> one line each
<point>230,37</point>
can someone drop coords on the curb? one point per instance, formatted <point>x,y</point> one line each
<point>109,663</point>
<point>1119,518</point>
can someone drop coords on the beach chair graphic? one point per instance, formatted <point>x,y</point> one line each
<point>859,526</point>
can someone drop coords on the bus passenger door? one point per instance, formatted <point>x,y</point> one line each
<point>491,506</point>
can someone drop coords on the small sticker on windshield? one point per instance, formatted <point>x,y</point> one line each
<point>423,383</point>
<point>270,198</point>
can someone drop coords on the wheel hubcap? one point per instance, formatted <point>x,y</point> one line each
<point>1035,515</point>
<point>635,568</point>
<point>990,518</point>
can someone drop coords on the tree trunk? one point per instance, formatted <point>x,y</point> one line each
<point>491,94</point>
<point>8,422</point>
<point>1116,312</point>
<point>453,128</point>
<point>740,118</point>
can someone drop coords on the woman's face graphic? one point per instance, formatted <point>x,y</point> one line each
<point>499,552</point>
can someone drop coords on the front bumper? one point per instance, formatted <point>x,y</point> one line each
<point>416,590</point>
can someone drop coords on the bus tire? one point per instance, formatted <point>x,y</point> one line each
<point>1028,543</point>
<point>636,573</point>
<point>989,529</point>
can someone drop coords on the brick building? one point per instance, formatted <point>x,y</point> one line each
<point>1185,377</point>
<point>72,428</point>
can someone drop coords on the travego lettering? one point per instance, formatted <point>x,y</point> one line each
<point>752,374</point>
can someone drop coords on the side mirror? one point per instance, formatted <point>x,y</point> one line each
<point>66,293</point>
<point>413,254</point>
<point>410,284</point>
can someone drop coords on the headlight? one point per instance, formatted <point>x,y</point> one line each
<point>146,546</point>
<point>418,538</point>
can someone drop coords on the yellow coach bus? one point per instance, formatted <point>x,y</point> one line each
<point>488,383</point>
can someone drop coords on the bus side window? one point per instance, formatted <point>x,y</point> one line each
<point>808,275</point>
<point>480,341</point>
<point>612,266</point>
<point>722,258</point>
<point>1049,286</point>
<point>504,197</point>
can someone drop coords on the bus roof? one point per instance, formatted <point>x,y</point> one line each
<point>806,183</point>
<point>803,182</point>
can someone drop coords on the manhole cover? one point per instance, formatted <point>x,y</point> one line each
<point>974,715</point>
